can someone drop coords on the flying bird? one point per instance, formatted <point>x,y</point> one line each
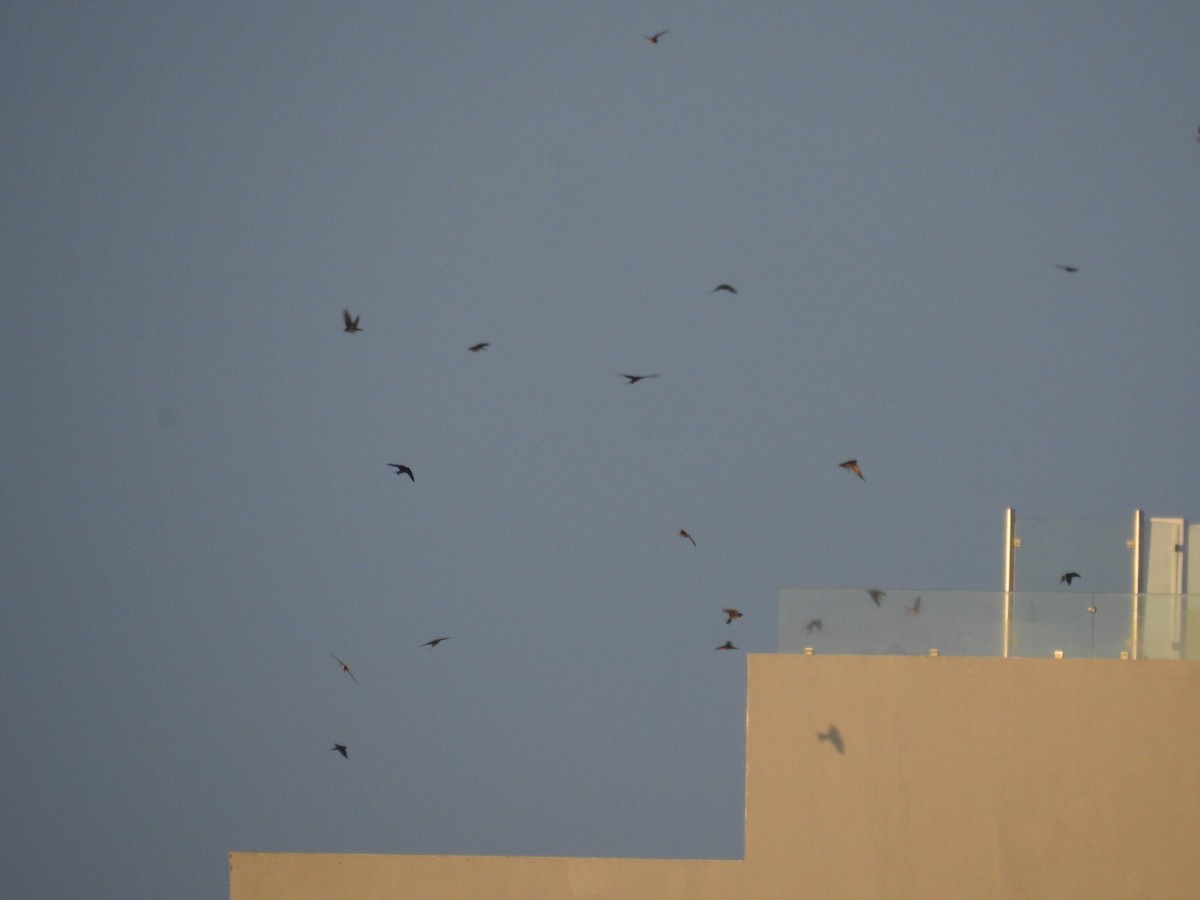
<point>851,465</point>
<point>340,748</point>
<point>653,38</point>
<point>728,645</point>
<point>915,608</point>
<point>813,624</point>
<point>876,595</point>
<point>729,288</point>
<point>684,534</point>
<point>834,737</point>
<point>1066,268</point>
<point>634,379</point>
<point>351,322</point>
<point>1068,577</point>
<point>435,642</point>
<point>345,668</point>
<point>732,613</point>
<point>402,470</point>
<point>477,347</point>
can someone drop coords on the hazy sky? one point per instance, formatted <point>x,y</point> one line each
<point>197,508</point>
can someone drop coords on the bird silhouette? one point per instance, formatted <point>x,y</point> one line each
<point>732,613</point>
<point>876,595</point>
<point>813,624</point>
<point>653,38</point>
<point>477,347</point>
<point>435,642</point>
<point>728,288</point>
<point>634,379</point>
<point>345,668</point>
<point>834,737</point>
<point>1068,577</point>
<point>915,608</point>
<point>1066,268</point>
<point>340,748</point>
<point>684,534</point>
<point>351,323</point>
<point>402,470</point>
<point>851,465</point>
<point>728,645</point>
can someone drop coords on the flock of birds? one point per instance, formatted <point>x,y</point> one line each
<point>352,325</point>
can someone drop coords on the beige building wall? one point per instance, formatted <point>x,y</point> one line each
<point>960,777</point>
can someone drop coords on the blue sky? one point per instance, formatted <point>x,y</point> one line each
<point>198,509</point>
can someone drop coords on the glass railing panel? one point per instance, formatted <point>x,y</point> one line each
<point>849,621</point>
<point>1170,626</point>
<point>1095,548</point>
<point>1075,624</point>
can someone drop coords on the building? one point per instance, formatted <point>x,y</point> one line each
<point>900,775</point>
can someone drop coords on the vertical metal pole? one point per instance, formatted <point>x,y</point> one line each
<point>1135,621</point>
<point>1010,522</point>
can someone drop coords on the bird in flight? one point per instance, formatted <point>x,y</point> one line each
<point>876,595</point>
<point>851,465</point>
<point>728,645</point>
<point>813,624</point>
<point>1068,577</point>
<point>351,322</point>
<point>834,737</point>
<point>634,379</point>
<point>435,642</point>
<point>1071,269</point>
<point>402,470</point>
<point>732,613</point>
<point>340,748</point>
<point>683,534</point>
<point>653,38</point>
<point>345,668</point>
<point>729,288</point>
<point>477,347</point>
<point>915,608</point>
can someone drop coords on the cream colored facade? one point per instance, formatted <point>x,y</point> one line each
<point>961,777</point>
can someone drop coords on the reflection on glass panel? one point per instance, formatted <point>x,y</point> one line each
<point>901,623</point>
<point>1095,548</point>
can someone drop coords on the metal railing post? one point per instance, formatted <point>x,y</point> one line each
<point>1135,620</point>
<point>1010,539</point>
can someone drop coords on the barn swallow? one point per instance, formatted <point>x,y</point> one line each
<point>684,534</point>
<point>732,613</point>
<point>345,668</point>
<point>340,748</point>
<point>729,288</point>
<point>435,642</point>
<point>653,38</point>
<point>402,470</point>
<point>351,323</point>
<point>1066,268</point>
<point>634,379</point>
<point>915,608</point>
<point>876,595</point>
<point>851,465</point>
<point>813,623</point>
<point>728,645</point>
<point>834,737</point>
<point>1068,577</point>
<point>477,347</point>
